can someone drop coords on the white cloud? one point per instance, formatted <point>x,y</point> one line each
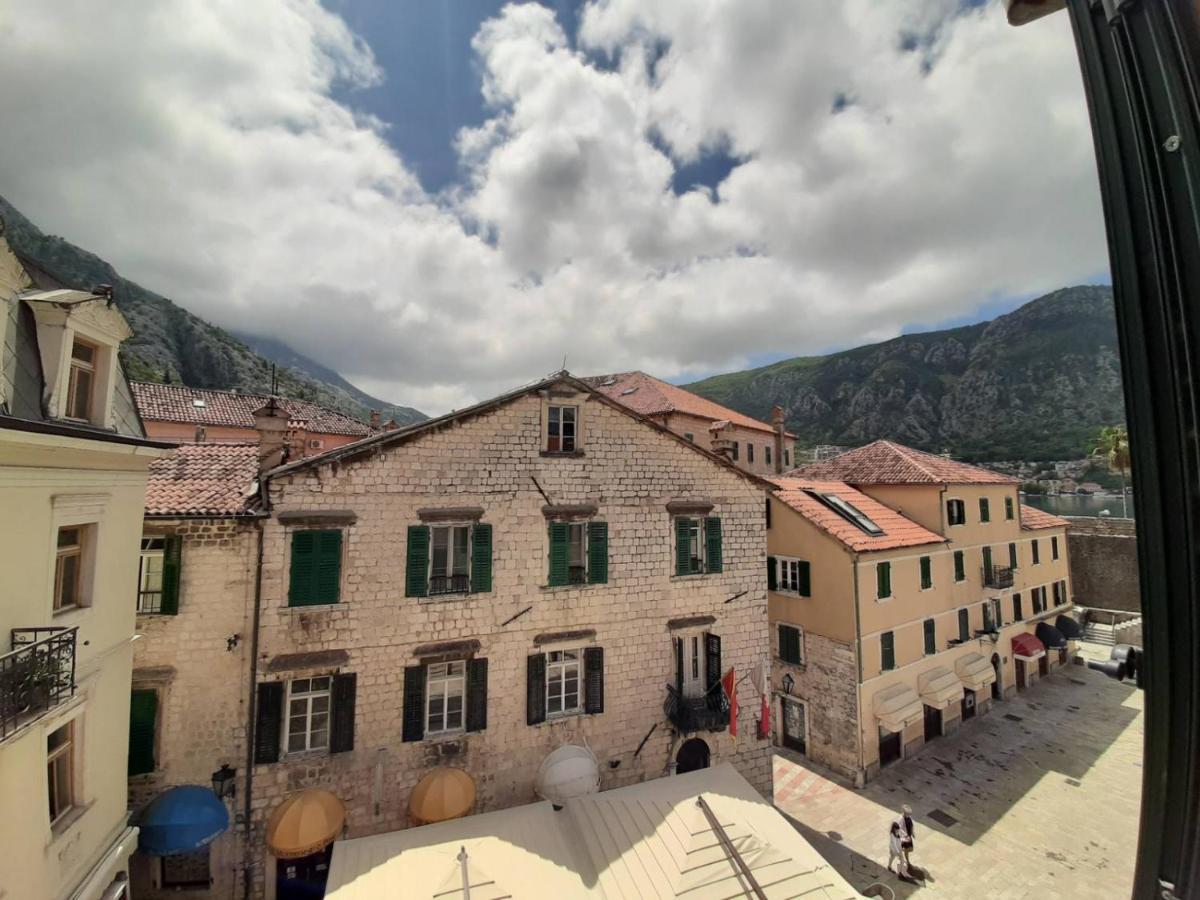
<point>197,146</point>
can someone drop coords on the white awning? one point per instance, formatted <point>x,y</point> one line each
<point>898,707</point>
<point>939,688</point>
<point>975,672</point>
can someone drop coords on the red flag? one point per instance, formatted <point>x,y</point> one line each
<point>729,686</point>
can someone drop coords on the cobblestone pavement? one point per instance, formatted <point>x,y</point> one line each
<point>1038,799</point>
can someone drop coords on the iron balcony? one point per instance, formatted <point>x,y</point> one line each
<point>36,675</point>
<point>689,714</point>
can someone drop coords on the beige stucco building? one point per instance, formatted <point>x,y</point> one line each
<point>907,593</point>
<point>753,446</point>
<point>73,460</point>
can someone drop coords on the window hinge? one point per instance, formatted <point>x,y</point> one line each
<point>1166,890</point>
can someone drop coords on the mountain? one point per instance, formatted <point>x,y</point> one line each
<point>170,343</point>
<point>1034,384</point>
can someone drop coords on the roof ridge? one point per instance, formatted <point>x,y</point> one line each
<point>903,451</point>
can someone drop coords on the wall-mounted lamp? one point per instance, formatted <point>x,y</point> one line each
<point>788,683</point>
<point>231,642</point>
<point>224,781</point>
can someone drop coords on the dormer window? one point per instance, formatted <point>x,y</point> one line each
<point>82,382</point>
<point>560,424</point>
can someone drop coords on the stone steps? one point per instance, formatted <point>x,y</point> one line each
<point>1096,633</point>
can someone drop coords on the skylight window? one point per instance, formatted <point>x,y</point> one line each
<point>628,391</point>
<point>849,512</point>
<point>198,403</point>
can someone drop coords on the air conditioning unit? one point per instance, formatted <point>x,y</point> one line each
<point>315,444</point>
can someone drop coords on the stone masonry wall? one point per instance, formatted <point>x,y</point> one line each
<point>1104,567</point>
<point>826,681</point>
<point>201,683</point>
<point>493,461</point>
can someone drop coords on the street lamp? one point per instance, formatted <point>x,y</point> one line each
<point>224,781</point>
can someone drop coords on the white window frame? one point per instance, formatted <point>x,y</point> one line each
<point>559,664</point>
<point>698,523</point>
<point>153,554</point>
<point>785,568</point>
<point>75,366</point>
<point>449,528</point>
<point>561,409</point>
<point>79,551</point>
<point>445,681</point>
<point>56,775</point>
<point>309,697</point>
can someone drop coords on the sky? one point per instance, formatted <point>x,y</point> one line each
<point>445,200</point>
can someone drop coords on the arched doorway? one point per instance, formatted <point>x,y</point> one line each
<point>692,755</point>
<point>997,687</point>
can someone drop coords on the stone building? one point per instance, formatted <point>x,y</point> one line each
<point>174,412</point>
<point>753,445</point>
<point>190,693</point>
<point>73,461</point>
<point>907,593</point>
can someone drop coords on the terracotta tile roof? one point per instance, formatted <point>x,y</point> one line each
<point>1033,519</point>
<point>648,396</point>
<point>898,531</point>
<point>884,462</point>
<point>176,403</point>
<point>203,479</point>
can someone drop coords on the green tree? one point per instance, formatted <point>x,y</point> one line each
<point>1112,443</point>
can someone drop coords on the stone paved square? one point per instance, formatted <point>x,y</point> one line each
<point>1044,793</point>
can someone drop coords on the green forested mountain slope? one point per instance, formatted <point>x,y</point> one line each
<point>170,343</point>
<point>1033,384</point>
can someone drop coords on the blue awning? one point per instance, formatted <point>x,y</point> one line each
<point>181,820</point>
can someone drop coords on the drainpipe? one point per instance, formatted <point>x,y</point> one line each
<point>780,430</point>
<point>860,778</point>
<point>251,713</point>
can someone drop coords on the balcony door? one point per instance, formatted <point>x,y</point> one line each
<point>694,683</point>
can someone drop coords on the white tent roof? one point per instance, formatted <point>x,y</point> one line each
<point>939,687</point>
<point>975,672</point>
<point>898,707</point>
<point>646,840</point>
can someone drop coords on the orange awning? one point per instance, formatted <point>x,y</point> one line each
<point>444,793</point>
<point>305,823</point>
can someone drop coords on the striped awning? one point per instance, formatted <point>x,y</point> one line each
<point>898,707</point>
<point>1027,647</point>
<point>939,688</point>
<point>974,671</point>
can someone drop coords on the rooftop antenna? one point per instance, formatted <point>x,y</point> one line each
<point>564,365</point>
<point>274,381</point>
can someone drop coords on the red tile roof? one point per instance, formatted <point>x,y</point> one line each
<point>1033,519</point>
<point>884,462</point>
<point>203,480</point>
<point>176,403</point>
<point>648,396</point>
<point>898,531</point>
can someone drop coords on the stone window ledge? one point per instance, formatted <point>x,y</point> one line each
<point>799,667</point>
<point>446,597</point>
<point>557,588</point>
<point>693,576</point>
<point>67,823</point>
<point>565,454</point>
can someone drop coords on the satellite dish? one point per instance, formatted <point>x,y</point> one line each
<point>568,772</point>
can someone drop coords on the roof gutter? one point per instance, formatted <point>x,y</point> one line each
<point>251,715</point>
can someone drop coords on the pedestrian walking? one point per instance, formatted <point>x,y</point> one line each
<point>907,837</point>
<point>896,851</point>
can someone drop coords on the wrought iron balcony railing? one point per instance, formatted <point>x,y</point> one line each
<point>449,584</point>
<point>998,577</point>
<point>36,675</point>
<point>688,714</point>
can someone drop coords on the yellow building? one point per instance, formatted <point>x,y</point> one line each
<point>907,593</point>
<point>73,460</point>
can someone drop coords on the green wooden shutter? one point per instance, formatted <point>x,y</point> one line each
<point>598,552</point>
<point>343,694</point>
<point>883,580</point>
<point>960,571</point>
<point>477,694</point>
<point>887,645</point>
<point>712,658</point>
<point>930,637</point>
<point>143,711</point>
<point>964,625</point>
<point>987,564</point>
<point>268,722</point>
<point>712,544</point>
<point>805,580</point>
<point>1018,613</point>
<point>302,583</point>
<point>481,558</point>
<point>413,728</point>
<point>926,573</point>
<point>772,574</point>
<point>593,679</point>
<point>416,575</point>
<point>683,547</point>
<point>172,566</point>
<point>1012,556</point>
<point>328,574</point>
<point>559,553</point>
<point>535,689</point>
<point>789,644</point>
<point>985,513</point>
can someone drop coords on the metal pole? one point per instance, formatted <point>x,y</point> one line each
<point>731,850</point>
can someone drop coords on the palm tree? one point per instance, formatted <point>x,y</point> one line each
<point>1113,444</point>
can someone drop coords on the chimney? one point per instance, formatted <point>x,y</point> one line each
<point>721,438</point>
<point>200,434</point>
<point>780,437</point>
<point>271,423</point>
<point>392,425</point>
<point>376,420</point>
